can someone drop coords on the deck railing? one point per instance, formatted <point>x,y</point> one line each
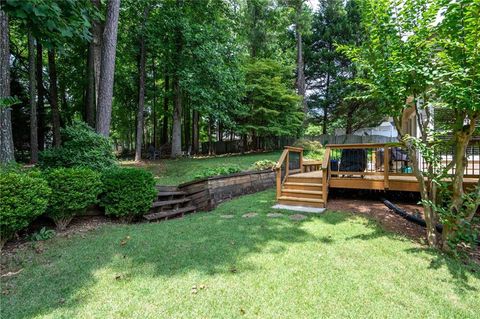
<point>380,161</point>
<point>290,162</point>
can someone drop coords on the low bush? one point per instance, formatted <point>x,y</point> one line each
<point>73,190</point>
<point>82,146</point>
<point>128,192</point>
<point>218,171</point>
<point>312,150</point>
<point>263,165</point>
<point>24,196</point>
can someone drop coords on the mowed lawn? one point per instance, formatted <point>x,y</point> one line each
<point>332,265</point>
<point>177,171</point>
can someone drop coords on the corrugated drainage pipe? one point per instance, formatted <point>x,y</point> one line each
<point>415,219</point>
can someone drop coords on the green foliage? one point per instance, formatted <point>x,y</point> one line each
<point>312,150</point>
<point>24,196</point>
<point>128,192</point>
<point>218,171</point>
<point>82,146</point>
<point>273,106</point>
<point>313,130</point>
<point>42,234</point>
<point>54,22</point>
<point>73,190</point>
<point>263,165</point>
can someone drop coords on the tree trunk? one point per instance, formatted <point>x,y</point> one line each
<point>40,99</point>
<point>300,62</point>
<point>210,131</point>
<point>195,133</point>
<point>90,99</point>
<point>426,191</point>
<point>107,68</point>
<point>165,110</point>
<point>141,92</point>
<point>6,136</point>
<point>177,102</point>
<point>96,49</point>
<point>33,103</point>
<point>177,119</point>
<point>325,107</point>
<point>52,71</point>
<point>154,105</point>
<point>462,139</point>
<point>186,126</point>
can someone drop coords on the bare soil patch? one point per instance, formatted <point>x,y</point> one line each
<point>378,211</point>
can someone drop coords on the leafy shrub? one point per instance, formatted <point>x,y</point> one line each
<point>82,146</point>
<point>263,165</point>
<point>73,190</point>
<point>42,234</point>
<point>312,150</point>
<point>217,171</point>
<point>128,192</point>
<point>24,196</point>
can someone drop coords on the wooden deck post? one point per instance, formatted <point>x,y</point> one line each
<point>301,161</point>
<point>278,178</point>
<point>386,166</point>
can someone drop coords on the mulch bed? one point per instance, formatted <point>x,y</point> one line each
<point>378,211</point>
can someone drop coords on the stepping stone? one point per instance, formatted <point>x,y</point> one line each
<point>227,216</point>
<point>249,215</point>
<point>274,215</point>
<point>297,217</point>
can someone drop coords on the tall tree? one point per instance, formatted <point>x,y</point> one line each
<point>40,97</point>
<point>95,48</point>
<point>326,66</point>
<point>6,137</point>
<point>299,30</point>
<point>107,68</point>
<point>52,71</point>
<point>177,91</point>
<point>141,89</point>
<point>33,103</point>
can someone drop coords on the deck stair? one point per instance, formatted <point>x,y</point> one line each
<point>302,190</point>
<point>170,202</point>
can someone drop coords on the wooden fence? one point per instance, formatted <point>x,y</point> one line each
<point>351,139</point>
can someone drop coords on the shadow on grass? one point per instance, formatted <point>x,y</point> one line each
<point>459,272</point>
<point>203,243</point>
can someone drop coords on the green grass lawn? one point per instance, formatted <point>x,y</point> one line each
<point>177,171</point>
<point>333,265</point>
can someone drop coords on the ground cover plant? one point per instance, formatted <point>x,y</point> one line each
<point>182,170</point>
<point>223,265</point>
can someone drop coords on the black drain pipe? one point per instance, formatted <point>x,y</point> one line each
<point>415,219</point>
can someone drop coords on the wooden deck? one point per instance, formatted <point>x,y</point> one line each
<point>354,180</point>
<point>309,184</point>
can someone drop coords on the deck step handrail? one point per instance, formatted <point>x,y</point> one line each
<point>326,173</point>
<point>285,159</point>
